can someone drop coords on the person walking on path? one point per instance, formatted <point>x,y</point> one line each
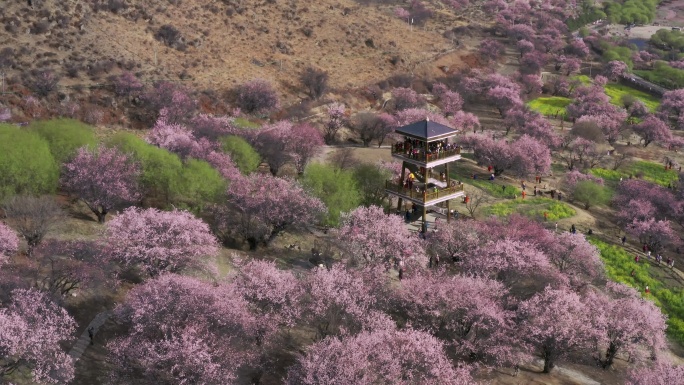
<point>624,240</point>
<point>523,194</point>
<point>573,229</point>
<point>91,335</point>
<point>401,269</point>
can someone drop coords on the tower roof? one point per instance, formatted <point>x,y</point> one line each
<point>427,130</point>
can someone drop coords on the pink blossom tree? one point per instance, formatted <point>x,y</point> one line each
<point>261,207</point>
<point>176,99</point>
<point>531,157</point>
<point>183,330</point>
<point>257,96</point>
<point>578,48</point>
<point>524,46</point>
<point>32,328</point>
<point>127,84</point>
<point>637,109</point>
<point>655,233</point>
<point>271,141</point>
<point>531,84</point>
<point>159,241</point>
<point>212,127</point>
<point>405,98</point>
<point>304,142</point>
<point>336,119</point>
<point>378,357</point>
<point>465,121</point>
<point>402,13</point>
<point>576,258</point>
<point>474,323</point>
<point>9,242</point>
<point>532,62</point>
<point>671,108</point>
<point>273,293</point>
<point>177,138</point>
<point>659,197</point>
<point>660,373</point>
<point>103,179</point>
<point>413,115</point>
<point>374,238</point>
<point>581,152</point>
<point>652,129</point>
<point>341,300</point>
<point>491,50</point>
<point>615,69</point>
<point>508,261</point>
<point>504,98</point>
<point>628,324</point>
<point>571,65</point>
<point>451,102</point>
<point>556,322</point>
<point>453,241</point>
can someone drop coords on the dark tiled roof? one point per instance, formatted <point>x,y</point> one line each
<point>426,129</point>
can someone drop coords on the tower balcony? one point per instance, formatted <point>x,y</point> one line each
<point>423,159</point>
<point>423,196</point>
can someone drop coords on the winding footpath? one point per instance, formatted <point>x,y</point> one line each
<point>84,340</point>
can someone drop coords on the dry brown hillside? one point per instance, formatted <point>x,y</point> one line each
<point>216,44</point>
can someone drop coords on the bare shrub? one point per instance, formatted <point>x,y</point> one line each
<point>588,130</point>
<point>315,81</point>
<point>32,217</point>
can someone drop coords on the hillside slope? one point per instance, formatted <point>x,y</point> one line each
<point>216,44</point>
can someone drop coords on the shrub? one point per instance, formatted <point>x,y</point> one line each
<point>242,153</point>
<point>257,96</point>
<point>315,81</point>
<point>26,164</point>
<point>167,181</point>
<point>160,168</point>
<point>590,194</point>
<point>64,136</point>
<point>336,188</point>
<point>169,35</point>
<point>43,82</point>
<point>199,184</point>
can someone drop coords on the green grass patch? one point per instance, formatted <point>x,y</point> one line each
<point>653,172</point>
<point>663,75</point>
<point>532,207</point>
<point>494,189</point>
<point>617,91</point>
<point>584,79</point>
<point>549,105</point>
<point>619,266</point>
<point>244,123</point>
<point>649,171</point>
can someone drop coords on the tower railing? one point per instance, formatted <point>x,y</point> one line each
<point>422,194</point>
<point>419,154</point>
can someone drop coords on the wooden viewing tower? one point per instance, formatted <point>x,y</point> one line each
<point>426,153</point>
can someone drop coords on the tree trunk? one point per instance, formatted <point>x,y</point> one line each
<point>253,243</point>
<point>101,216</point>
<point>548,364</point>
<point>610,356</point>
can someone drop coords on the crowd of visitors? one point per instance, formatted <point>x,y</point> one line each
<point>416,149</point>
